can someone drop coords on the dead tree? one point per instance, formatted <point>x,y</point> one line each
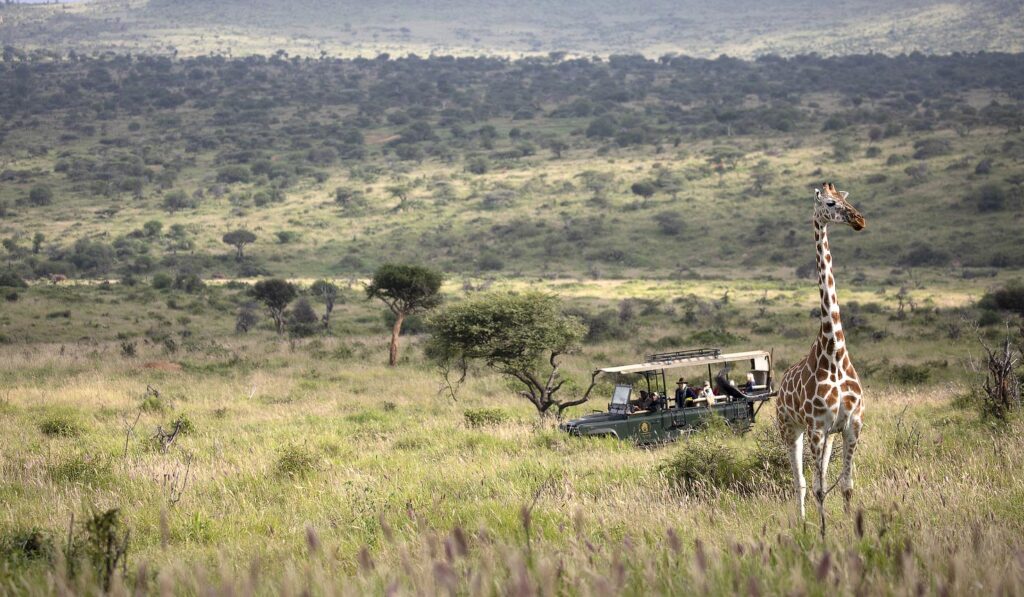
<point>164,439</point>
<point>1002,383</point>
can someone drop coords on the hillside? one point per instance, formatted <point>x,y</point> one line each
<point>742,28</point>
<point>129,166</point>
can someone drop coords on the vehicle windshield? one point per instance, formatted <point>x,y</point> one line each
<point>620,398</point>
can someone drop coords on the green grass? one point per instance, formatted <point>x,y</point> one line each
<point>364,476</point>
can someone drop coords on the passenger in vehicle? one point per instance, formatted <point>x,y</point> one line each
<point>685,395</point>
<point>748,388</point>
<point>707,392</point>
<point>642,402</point>
<point>721,379</point>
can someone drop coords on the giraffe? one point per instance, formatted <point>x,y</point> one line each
<point>821,394</point>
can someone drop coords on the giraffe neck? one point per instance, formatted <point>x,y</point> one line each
<point>831,322</point>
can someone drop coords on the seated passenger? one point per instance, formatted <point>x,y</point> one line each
<point>642,402</point>
<point>748,388</point>
<point>684,394</point>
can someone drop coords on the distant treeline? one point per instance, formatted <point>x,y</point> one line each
<point>630,98</point>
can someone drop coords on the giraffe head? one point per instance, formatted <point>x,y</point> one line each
<point>830,206</point>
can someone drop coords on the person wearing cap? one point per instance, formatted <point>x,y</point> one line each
<point>685,395</point>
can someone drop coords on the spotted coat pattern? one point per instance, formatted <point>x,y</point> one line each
<point>821,395</point>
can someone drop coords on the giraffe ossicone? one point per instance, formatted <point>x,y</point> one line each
<point>821,395</point>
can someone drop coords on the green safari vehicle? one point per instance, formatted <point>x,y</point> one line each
<point>642,409</point>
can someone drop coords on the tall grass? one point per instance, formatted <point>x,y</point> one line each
<point>359,478</point>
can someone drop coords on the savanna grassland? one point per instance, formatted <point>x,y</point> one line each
<point>666,203</point>
<point>311,465</point>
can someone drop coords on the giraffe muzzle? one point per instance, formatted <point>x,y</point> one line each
<point>857,222</point>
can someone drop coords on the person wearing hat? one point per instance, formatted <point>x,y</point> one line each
<point>685,395</point>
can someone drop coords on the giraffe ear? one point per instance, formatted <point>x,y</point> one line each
<point>844,195</point>
<point>817,194</point>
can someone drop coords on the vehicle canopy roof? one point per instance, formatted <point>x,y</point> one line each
<point>691,358</point>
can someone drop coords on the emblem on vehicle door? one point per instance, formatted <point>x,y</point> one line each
<point>645,427</point>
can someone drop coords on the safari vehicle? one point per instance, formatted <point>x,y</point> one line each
<point>668,419</point>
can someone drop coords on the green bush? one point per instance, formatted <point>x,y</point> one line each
<point>184,424</point>
<point>12,280</point>
<point>1008,298</point>
<point>80,468</point>
<point>715,337</point>
<point>704,464</point>
<point>162,281</point>
<point>909,375</point>
<point>485,417</point>
<point>61,425</point>
<point>24,545</point>
<point>153,403</point>
<point>294,460</point>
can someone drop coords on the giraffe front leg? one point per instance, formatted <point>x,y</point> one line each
<point>850,436</point>
<point>818,443</point>
<point>795,442</point>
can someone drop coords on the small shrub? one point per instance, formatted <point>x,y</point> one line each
<point>12,296</point>
<point>102,544</point>
<point>162,281</point>
<point>922,255</point>
<point>25,545</point>
<point>190,283</point>
<point>704,465</point>
<point>184,424</point>
<point>906,440</point>
<point>61,425</point>
<point>294,460</point>
<point>715,337</point>
<point>80,468</point>
<point>909,375</point>
<point>153,403</point>
<point>485,417</point>
<point>12,280</point>
<point>604,325</point>
<point>128,348</point>
<point>1009,298</point>
<point>246,320</point>
<point>302,320</point>
<point>989,198</point>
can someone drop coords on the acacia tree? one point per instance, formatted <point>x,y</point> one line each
<point>521,336</point>
<point>329,293</point>
<point>238,239</point>
<point>405,289</point>
<point>275,293</point>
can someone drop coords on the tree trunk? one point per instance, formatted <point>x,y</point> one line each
<point>395,331</point>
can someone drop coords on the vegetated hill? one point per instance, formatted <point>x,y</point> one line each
<point>134,164</point>
<point>743,28</point>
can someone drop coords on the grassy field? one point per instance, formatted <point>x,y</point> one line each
<point>312,466</point>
